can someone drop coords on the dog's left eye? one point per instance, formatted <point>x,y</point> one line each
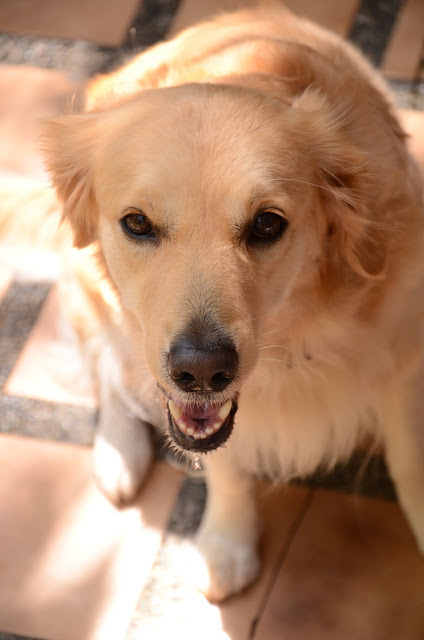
<point>268,225</point>
<point>137,225</point>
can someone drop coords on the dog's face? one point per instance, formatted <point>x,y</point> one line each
<point>209,206</point>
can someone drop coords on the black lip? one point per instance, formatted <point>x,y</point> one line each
<point>186,442</point>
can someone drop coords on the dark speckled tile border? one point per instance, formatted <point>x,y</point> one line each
<point>83,59</point>
<point>373,25</point>
<point>47,420</point>
<point>362,475</point>
<point>19,310</point>
<point>151,22</point>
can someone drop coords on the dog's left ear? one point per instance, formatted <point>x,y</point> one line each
<point>348,188</point>
<point>69,144</point>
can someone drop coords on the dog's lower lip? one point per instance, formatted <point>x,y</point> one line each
<point>201,428</point>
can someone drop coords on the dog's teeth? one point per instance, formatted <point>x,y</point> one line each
<point>189,431</point>
<point>175,411</point>
<point>209,430</point>
<point>225,410</point>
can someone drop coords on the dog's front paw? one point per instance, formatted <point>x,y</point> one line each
<point>230,565</point>
<point>118,474</point>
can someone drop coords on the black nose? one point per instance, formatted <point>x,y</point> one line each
<point>202,369</point>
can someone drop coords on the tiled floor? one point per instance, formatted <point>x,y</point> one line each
<point>334,15</point>
<point>404,46</point>
<point>50,365</point>
<point>72,567</point>
<point>96,20</point>
<point>351,572</point>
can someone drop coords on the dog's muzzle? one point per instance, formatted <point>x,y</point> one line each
<point>201,368</point>
<point>202,428</point>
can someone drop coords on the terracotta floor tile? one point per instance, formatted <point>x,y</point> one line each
<point>184,613</point>
<point>337,16</point>
<point>352,572</point>
<point>403,53</point>
<point>334,15</point>
<point>28,96</point>
<point>71,565</point>
<point>103,21</point>
<point>191,11</point>
<point>280,511</point>
<point>413,121</point>
<point>50,366</point>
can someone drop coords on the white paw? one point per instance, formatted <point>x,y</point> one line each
<point>230,565</point>
<point>121,475</point>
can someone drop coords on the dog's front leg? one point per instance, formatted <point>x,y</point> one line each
<point>228,535</point>
<point>123,450</point>
<point>404,440</point>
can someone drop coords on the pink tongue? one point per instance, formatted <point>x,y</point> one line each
<point>200,413</point>
<point>200,418</point>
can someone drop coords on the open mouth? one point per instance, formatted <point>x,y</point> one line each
<point>201,428</point>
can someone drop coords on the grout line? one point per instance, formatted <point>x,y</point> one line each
<point>280,561</point>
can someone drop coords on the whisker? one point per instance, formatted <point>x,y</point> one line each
<point>275,346</point>
<point>272,346</point>
<point>261,374</point>
<point>271,331</point>
<point>286,363</point>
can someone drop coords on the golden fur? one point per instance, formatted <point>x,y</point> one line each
<point>256,111</point>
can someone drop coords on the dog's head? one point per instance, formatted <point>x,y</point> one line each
<point>214,206</point>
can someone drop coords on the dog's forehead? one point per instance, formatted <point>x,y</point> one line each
<point>175,142</point>
<point>197,119</point>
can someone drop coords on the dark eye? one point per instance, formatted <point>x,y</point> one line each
<point>137,225</point>
<point>267,226</point>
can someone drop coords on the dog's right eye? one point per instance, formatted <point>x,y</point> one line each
<point>267,227</point>
<point>137,225</point>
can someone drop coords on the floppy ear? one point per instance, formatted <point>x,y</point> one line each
<point>69,143</point>
<point>349,193</point>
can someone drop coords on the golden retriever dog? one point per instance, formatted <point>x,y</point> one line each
<point>248,273</point>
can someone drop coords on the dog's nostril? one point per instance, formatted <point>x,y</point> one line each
<point>184,378</point>
<point>222,378</point>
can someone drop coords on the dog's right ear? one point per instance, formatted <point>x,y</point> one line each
<point>69,144</point>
